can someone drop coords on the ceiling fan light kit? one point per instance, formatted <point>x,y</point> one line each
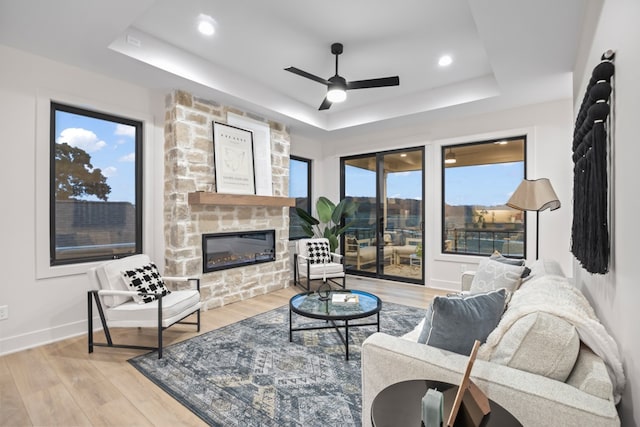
<point>336,94</point>
<point>338,85</point>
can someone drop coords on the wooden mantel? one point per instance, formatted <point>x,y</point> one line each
<point>219,199</point>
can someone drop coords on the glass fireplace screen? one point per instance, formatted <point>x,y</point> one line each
<point>221,251</point>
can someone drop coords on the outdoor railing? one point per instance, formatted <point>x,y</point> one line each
<point>484,241</point>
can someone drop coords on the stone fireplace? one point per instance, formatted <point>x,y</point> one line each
<point>189,169</point>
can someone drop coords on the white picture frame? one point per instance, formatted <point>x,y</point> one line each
<point>233,159</point>
<point>261,151</point>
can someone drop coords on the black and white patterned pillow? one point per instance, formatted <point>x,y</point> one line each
<point>145,279</point>
<point>318,252</point>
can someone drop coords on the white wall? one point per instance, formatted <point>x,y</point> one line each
<point>47,304</point>
<point>548,130</point>
<point>615,296</point>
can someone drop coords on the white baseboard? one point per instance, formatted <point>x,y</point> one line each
<point>42,337</point>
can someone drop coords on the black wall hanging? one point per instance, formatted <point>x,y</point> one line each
<point>591,148</point>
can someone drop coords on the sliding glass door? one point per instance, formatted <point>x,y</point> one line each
<point>387,237</point>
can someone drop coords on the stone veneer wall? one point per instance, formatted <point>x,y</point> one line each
<point>188,160</point>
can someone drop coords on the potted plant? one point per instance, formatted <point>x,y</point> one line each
<point>330,216</point>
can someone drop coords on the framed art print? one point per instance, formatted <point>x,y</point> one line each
<point>233,159</point>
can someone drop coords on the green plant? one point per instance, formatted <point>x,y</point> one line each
<point>330,216</point>
<point>419,250</point>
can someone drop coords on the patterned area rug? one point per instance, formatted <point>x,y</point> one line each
<point>249,374</point>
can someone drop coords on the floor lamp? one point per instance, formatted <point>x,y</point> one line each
<point>534,195</point>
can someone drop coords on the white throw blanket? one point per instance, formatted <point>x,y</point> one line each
<point>556,296</point>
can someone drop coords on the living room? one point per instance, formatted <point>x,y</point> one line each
<point>49,304</point>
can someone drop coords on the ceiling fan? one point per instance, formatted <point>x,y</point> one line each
<point>337,85</point>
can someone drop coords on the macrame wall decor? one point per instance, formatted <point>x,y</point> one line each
<point>591,150</point>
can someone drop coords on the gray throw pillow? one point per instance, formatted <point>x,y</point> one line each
<point>454,323</point>
<point>493,275</point>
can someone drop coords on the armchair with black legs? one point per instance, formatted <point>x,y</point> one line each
<point>313,260</point>
<point>129,292</point>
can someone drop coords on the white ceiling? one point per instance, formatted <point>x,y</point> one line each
<point>506,52</point>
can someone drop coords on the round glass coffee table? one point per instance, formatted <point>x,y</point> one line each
<point>338,308</point>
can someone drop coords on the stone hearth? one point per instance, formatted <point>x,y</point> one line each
<point>188,159</point>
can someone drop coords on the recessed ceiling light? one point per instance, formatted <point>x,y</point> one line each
<point>403,155</point>
<point>501,142</point>
<point>205,25</point>
<point>445,60</point>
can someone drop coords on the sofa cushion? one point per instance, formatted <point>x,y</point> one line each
<point>454,323</point>
<point>145,278</point>
<point>492,275</point>
<point>590,374</point>
<point>174,307</point>
<point>540,343</point>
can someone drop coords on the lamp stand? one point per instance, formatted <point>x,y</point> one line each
<point>537,231</point>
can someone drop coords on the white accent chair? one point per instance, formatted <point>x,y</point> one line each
<point>116,307</point>
<point>303,266</point>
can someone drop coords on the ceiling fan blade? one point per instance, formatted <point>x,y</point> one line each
<point>381,82</point>
<point>325,104</point>
<point>310,76</point>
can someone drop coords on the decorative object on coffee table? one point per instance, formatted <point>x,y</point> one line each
<point>324,291</point>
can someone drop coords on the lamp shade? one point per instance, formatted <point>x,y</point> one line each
<point>534,195</point>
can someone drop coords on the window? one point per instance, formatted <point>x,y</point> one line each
<point>95,185</point>
<point>300,189</point>
<point>477,180</point>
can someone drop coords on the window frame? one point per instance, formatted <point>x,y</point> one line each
<point>139,125</point>
<point>443,223</point>
<point>309,163</point>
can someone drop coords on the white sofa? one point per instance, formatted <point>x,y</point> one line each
<point>584,399</point>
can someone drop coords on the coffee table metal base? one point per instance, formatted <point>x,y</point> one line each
<point>344,338</point>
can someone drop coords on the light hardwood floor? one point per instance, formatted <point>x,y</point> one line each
<point>60,384</point>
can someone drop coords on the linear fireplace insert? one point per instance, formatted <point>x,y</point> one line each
<point>229,250</point>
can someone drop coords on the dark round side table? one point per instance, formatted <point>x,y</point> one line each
<point>400,404</point>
